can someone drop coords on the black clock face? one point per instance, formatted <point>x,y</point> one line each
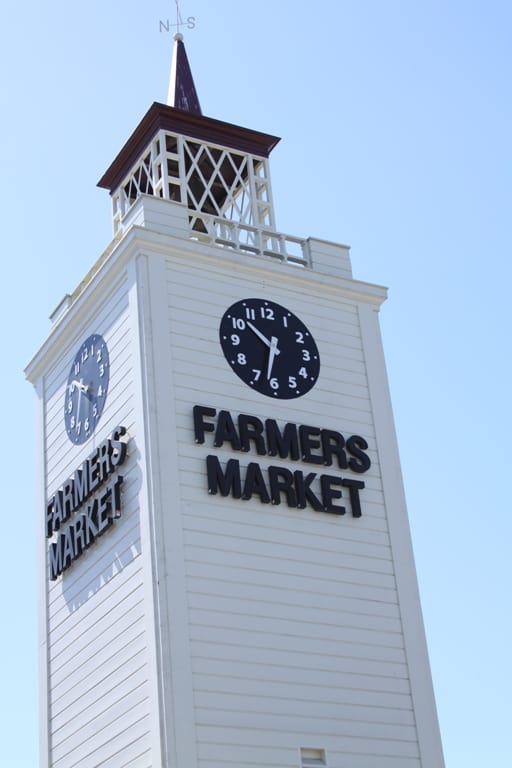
<point>86,390</point>
<point>269,348</point>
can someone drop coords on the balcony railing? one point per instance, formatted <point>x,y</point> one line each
<point>249,239</point>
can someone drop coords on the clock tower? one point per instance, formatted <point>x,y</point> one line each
<point>226,572</point>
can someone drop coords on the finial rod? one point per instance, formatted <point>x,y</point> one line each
<point>178,17</point>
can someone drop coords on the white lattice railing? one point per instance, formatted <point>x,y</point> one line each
<point>243,237</point>
<point>210,179</point>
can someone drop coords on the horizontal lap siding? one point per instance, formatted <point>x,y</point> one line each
<point>97,659</point>
<point>294,624</point>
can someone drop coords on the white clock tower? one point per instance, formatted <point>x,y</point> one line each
<point>226,572</point>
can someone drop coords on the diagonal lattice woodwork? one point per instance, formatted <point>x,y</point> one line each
<point>207,178</point>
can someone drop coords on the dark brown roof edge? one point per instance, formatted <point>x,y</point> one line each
<point>207,129</point>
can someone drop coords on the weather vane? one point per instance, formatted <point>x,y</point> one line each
<point>190,21</point>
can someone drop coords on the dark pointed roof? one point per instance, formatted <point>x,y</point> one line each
<point>182,91</point>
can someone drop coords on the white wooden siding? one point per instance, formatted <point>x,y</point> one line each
<point>98,674</point>
<point>295,627</point>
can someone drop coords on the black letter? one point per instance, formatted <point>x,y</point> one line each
<point>226,482</point>
<point>104,464</point>
<point>361,462</point>
<point>255,484</point>
<point>333,443</point>
<point>92,467</point>
<point>304,492</point>
<point>118,446</point>
<point>251,428</point>
<point>81,484</point>
<point>329,493</point>
<point>49,518</point>
<point>354,486</point>
<point>200,427</point>
<point>309,444</point>
<point>226,430</point>
<point>285,484</point>
<point>55,553</point>
<point>286,444</point>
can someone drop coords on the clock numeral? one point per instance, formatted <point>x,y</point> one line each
<point>100,391</point>
<point>250,313</point>
<point>72,422</point>
<point>238,323</point>
<point>77,368</point>
<point>299,337</point>
<point>292,382</point>
<point>235,339</point>
<point>102,369</point>
<point>274,383</point>
<point>86,425</point>
<point>70,406</point>
<point>85,355</point>
<point>267,313</point>
<point>241,359</point>
<point>95,411</point>
<point>303,373</point>
<point>98,356</point>
<point>285,321</point>
<point>78,428</point>
<point>257,374</point>
<point>305,354</point>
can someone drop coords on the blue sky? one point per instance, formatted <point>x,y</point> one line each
<point>395,120</point>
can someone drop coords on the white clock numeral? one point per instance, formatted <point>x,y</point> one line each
<point>98,356</point>
<point>250,313</point>
<point>85,355</point>
<point>292,382</point>
<point>241,358</point>
<point>305,354</point>
<point>100,391</point>
<point>285,321</point>
<point>77,368</point>
<point>235,339</point>
<point>95,411</point>
<point>303,373</point>
<point>238,323</point>
<point>267,313</point>
<point>299,337</point>
<point>78,427</point>
<point>274,383</point>
<point>86,425</point>
<point>70,406</point>
<point>257,374</point>
<point>102,369</point>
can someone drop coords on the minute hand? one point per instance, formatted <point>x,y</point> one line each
<point>261,336</point>
<point>273,352</point>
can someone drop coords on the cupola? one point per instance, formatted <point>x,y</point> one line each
<point>217,170</point>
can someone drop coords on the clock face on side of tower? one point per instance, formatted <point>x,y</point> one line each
<point>86,390</point>
<point>269,348</point>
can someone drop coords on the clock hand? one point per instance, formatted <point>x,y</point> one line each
<point>78,404</point>
<point>81,387</point>
<point>262,337</point>
<point>273,352</point>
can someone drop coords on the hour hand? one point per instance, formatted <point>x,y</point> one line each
<point>264,339</point>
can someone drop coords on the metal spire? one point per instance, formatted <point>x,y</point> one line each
<point>182,91</point>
